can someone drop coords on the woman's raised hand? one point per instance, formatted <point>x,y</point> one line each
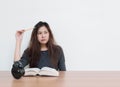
<point>19,35</point>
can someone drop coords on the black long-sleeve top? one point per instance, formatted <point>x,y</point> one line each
<point>45,60</point>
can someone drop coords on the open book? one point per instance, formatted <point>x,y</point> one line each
<point>45,71</point>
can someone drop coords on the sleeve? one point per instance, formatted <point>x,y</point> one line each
<point>61,62</point>
<point>24,59</point>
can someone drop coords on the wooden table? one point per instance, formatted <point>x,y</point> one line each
<point>66,79</point>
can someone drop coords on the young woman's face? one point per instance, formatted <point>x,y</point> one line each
<point>43,35</point>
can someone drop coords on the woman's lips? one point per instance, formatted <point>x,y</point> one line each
<point>43,40</point>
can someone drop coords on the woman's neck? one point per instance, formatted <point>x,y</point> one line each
<point>43,48</point>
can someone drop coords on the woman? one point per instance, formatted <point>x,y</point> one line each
<point>42,50</point>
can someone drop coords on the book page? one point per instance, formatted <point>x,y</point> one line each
<point>47,71</point>
<point>31,71</point>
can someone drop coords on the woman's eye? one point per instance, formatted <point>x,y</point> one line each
<point>46,32</point>
<point>39,33</point>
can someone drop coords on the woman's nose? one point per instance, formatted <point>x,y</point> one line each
<point>43,35</point>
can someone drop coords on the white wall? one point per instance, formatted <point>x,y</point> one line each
<point>87,30</point>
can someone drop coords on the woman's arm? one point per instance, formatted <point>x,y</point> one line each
<point>61,63</point>
<point>19,37</point>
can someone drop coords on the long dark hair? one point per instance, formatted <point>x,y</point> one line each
<point>34,46</point>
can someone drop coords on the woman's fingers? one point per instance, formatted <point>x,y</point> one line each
<point>20,31</point>
<point>23,30</point>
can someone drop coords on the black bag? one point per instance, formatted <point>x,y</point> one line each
<point>17,70</point>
